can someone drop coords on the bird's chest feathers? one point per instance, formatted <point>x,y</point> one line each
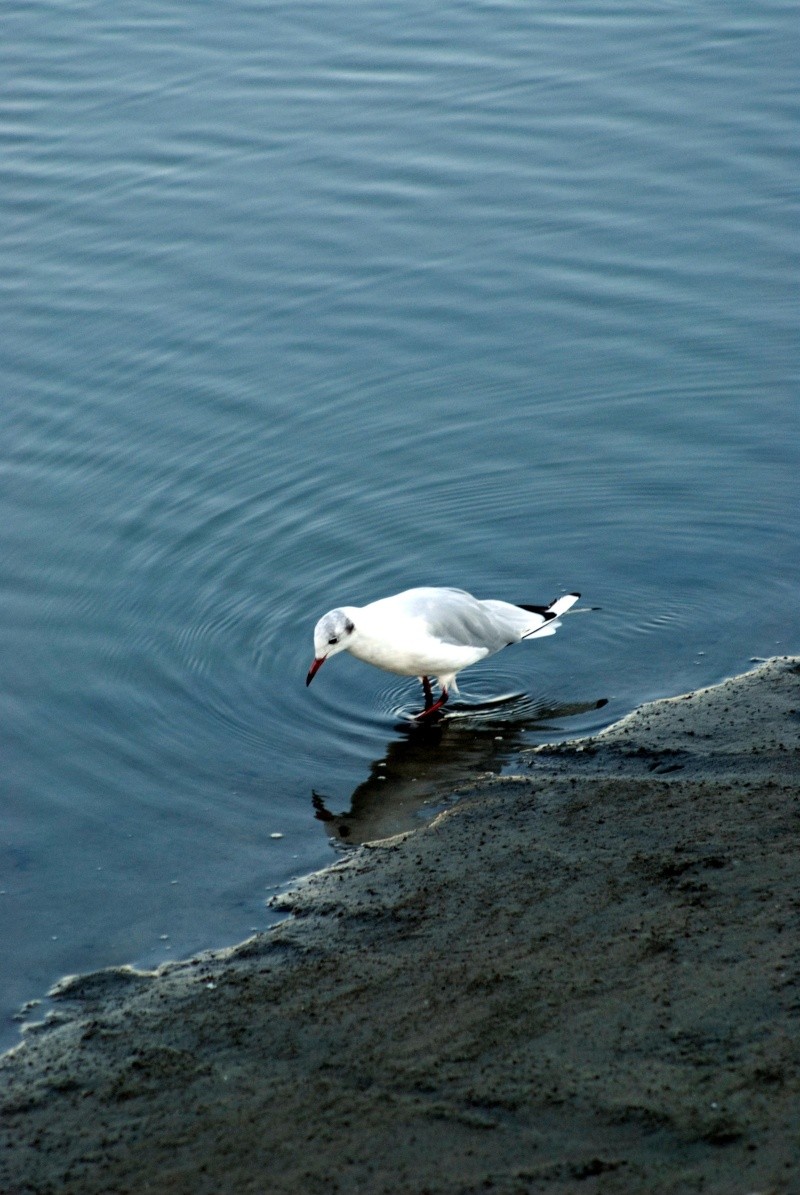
<point>410,651</point>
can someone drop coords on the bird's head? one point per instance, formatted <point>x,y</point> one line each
<point>331,635</point>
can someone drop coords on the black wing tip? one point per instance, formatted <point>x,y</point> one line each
<point>545,611</point>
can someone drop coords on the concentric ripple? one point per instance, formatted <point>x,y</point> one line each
<point>304,307</point>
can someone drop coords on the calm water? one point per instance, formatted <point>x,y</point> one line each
<point>303,304</point>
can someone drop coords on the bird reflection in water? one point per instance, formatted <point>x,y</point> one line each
<point>424,768</point>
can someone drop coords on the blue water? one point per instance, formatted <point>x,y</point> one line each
<point>305,304</point>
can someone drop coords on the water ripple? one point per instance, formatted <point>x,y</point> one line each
<point>305,307</point>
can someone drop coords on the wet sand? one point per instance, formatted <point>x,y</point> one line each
<point>581,978</point>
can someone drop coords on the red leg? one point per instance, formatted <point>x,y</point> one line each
<point>431,706</point>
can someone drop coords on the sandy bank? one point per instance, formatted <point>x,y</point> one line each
<point>581,978</point>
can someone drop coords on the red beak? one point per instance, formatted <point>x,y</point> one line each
<point>314,669</point>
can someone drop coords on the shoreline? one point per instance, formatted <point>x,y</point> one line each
<point>584,974</point>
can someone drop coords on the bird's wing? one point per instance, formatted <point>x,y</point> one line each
<point>456,617</point>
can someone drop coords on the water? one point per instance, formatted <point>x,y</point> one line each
<point>305,304</point>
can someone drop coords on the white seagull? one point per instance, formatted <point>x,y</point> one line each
<point>431,632</point>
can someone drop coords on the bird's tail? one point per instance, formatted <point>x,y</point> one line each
<point>562,604</point>
<point>549,615</point>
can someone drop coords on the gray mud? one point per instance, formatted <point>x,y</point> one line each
<point>584,978</point>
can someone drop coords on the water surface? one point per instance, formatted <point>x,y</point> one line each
<point>305,304</point>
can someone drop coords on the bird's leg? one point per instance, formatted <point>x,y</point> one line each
<point>431,706</point>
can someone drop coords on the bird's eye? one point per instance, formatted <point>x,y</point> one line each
<point>333,639</point>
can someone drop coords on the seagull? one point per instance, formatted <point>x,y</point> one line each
<point>431,632</point>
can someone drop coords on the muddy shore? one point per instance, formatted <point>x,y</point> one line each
<point>581,978</point>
